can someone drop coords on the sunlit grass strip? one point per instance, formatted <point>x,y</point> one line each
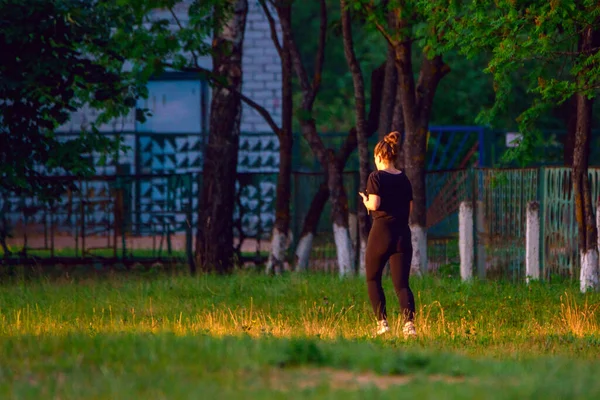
<point>118,306</point>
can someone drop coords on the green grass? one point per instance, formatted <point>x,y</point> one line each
<point>158,336</point>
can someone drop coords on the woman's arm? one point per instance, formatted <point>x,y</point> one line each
<point>371,201</point>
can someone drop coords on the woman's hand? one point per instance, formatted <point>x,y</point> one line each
<point>365,197</point>
<point>371,202</point>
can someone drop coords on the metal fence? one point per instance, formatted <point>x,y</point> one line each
<point>144,202</point>
<point>111,218</point>
<point>502,197</point>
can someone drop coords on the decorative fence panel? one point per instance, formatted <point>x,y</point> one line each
<point>502,197</point>
<point>445,191</point>
<point>559,247</point>
<point>93,220</point>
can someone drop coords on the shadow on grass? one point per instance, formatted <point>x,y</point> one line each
<point>120,365</point>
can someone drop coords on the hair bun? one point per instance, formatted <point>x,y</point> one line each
<point>392,138</point>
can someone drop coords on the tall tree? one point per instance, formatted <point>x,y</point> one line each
<point>214,240</point>
<point>559,44</point>
<point>402,23</point>
<point>326,157</point>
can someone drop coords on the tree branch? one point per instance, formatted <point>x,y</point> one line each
<point>286,27</point>
<point>320,56</point>
<point>351,142</point>
<point>211,78</point>
<point>432,71</point>
<point>380,27</point>
<point>272,27</point>
<point>309,90</point>
<point>180,25</point>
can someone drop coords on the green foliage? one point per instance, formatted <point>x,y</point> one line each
<point>155,35</point>
<point>536,41</point>
<point>58,58</point>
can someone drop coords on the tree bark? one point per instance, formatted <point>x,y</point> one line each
<point>398,125</point>
<point>361,128</point>
<point>586,224</point>
<point>214,239</point>
<point>388,96</point>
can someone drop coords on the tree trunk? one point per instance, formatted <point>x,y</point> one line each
<point>361,128</point>
<point>584,212</point>
<point>587,230</point>
<point>214,239</point>
<point>398,125</point>
<point>416,110</point>
<point>281,230</point>
<point>388,96</point>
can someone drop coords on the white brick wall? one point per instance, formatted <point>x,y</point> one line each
<point>262,70</point>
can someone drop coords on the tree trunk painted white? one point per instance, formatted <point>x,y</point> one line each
<point>465,240</point>
<point>344,249</point>
<point>480,224</point>
<point>532,242</point>
<point>419,244</point>
<point>303,251</point>
<point>589,271</point>
<point>279,245</point>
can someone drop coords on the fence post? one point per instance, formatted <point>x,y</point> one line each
<point>532,242</point>
<point>480,240</point>
<point>465,239</point>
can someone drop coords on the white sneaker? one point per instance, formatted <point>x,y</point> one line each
<point>382,327</point>
<point>409,330</point>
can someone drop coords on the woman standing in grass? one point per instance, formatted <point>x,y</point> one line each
<point>389,197</point>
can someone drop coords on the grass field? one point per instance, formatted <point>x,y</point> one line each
<point>170,336</point>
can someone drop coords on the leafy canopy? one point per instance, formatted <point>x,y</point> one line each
<point>58,58</point>
<point>536,40</point>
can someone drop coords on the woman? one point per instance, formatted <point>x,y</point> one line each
<point>389,197</point>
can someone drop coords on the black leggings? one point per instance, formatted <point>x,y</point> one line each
<point>389,242</point>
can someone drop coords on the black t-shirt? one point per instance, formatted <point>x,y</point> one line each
<point>396,194</point>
